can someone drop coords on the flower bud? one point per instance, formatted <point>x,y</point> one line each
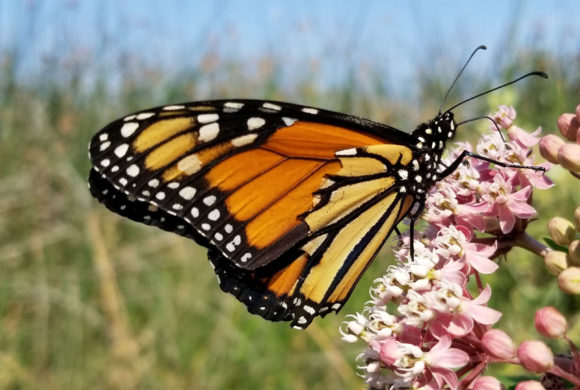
<point>390,352</point>
<point>577,218</point>
<point>535,356</point>
<point>561,230</point>
<point>487,383</point>
<point>498,344</point>
<point>574,253</point>
<point>556,262</point>
<point>549,147</point>
<point>569,280</point>
<point>549,322</point>
<point>569,157</point>
<point>568,125</point>
<point>530,385</point>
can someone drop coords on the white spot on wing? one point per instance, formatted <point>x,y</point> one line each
<point>133,170</point>
<point>308,309</point>
<point>255,123</point>
<point>129,128</point>
<point>346,152</point>
<point>272,106</point>
<point>153,183</point>
<point>105,145</point>
<point>121,150</point>
<point>244,140</point>
<point>209,200</point>
<point>145,115</point>
<point>403,174</point>
<point>187,193</point>
<point>288,121</point>
<point>236,105</point>
<point>209,132</point>
<point>228,228</point>
<point>106,162</point>
<point>214,215</point>
<point>310,110</point>
<point>174,107</point>
<point>207,118</point>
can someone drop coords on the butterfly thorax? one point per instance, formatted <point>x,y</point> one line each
<point>431,139</point>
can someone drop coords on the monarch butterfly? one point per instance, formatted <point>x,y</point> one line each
<point>293,202</point>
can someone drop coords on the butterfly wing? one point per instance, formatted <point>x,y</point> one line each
<point>293,202</point>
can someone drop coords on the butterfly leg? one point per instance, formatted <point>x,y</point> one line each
<point>453,166</point>
<point>413,216</point>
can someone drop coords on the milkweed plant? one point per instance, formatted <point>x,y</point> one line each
<point>424,328</point>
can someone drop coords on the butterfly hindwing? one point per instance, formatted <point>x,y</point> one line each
<point>293,202</point>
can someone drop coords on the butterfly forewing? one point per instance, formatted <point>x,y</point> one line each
<point>293,202</point>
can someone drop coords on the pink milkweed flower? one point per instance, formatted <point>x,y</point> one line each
<point>535,356</point>
<point>443,209</point>
<point>507,205</point>
<point>455,242</point>
<point>439,364</point>
<point>498,344</point>
<point>568,124</point>
<point>458,321</point>
<point>504,117</point>
<point>523,138</point>
<point>529,385</point>
<point>549,146</point>
<point>492,146</point>
<point>487,383</point>
<point>550,322</point>
<point>431,369</point>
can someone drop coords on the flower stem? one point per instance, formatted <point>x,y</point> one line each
<point>528,242</point>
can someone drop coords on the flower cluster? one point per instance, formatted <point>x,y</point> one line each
<point>559,151</point>
<point>423,326</point>
<point>564,261</point>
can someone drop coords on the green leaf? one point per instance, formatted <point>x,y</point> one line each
<point>553,245</point>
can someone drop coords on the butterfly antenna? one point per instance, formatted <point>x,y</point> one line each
<point>482,47</point>
<point>535,73</point>
<point>479,118</point>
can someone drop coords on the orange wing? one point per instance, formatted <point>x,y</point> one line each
<point>293,202</point>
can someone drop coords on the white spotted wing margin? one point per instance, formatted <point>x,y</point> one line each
<point>357,245</point>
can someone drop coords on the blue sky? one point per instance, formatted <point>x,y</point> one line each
<point>397,37</point>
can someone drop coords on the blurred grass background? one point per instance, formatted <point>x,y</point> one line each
<point>91,301</point>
